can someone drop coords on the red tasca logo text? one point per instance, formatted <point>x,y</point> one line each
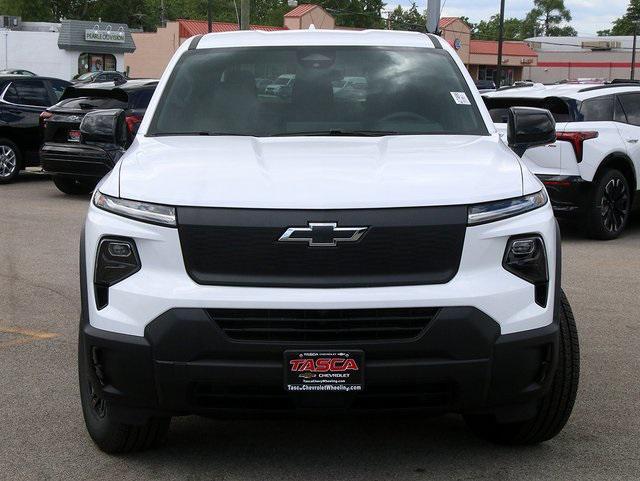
<point>335,364</point>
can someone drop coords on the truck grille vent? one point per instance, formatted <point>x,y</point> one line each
<point>348,325</point>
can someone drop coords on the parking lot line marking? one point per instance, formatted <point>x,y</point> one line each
<point>25,336</point>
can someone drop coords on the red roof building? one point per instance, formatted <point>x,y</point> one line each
<point>481,56</point>
<point>189,28</point>
<point>301,10</point>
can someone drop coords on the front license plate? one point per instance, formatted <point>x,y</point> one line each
<point>324,371</point>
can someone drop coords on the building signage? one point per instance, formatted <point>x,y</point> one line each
<point>95,35</point>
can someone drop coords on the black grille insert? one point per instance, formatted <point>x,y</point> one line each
<point>341,325</point>
<point>404,246</point>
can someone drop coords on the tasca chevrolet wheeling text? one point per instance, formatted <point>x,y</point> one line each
<point>264,253</point>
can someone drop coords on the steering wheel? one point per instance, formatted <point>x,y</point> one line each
<point>404,116</point>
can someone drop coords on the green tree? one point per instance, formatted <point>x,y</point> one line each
<point>625,24</point>
<point>355,13</point>
<point>490,29</point>
<point>546,19</point>
<point>408,19</point>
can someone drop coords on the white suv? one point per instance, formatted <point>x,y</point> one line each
<point>591,172</point>
<point>252,253</point>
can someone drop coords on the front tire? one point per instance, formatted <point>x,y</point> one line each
<point>10,161</point>
<point>109,434</point>
<point>609,206</point>
<point>554,408</point>
<point>71,186</point>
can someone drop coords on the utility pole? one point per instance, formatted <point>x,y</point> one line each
<point>500,42</point>
<point>162,24</point>
<point>209,16</point>
<point>245,9</point>
<point>433,16</point>
<point>633,54</point>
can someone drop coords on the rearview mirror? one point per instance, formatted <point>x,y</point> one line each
<point>529,127</point>
<point>104,127</point>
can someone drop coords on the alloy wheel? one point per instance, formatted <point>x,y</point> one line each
<point>615,205</point>
<point>8,161</point>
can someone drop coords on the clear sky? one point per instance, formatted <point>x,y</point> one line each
<point>589,16</point>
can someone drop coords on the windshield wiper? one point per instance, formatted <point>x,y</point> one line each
<point>338,133</point>
<point>196,133</point>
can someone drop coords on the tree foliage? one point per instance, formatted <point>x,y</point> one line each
<point>490,29</point>
<point>546,19</point>
<point>408,19</point>
<point>625,24</point>
<point>148,13</point>
<point>355,13</point>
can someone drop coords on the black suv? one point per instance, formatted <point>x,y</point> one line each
<point>76,164</point>
<point>22,100</point>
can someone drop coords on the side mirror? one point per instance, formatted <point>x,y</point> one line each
<point>104,127</point>
<point>529,127</point>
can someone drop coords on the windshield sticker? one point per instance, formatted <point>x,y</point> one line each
<point>460,98</point>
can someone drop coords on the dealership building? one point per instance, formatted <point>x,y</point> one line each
<point>63,49</point>
<point>562,58</point>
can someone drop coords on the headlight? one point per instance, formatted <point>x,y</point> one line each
<point>503,209</point>
<point>142,211</point>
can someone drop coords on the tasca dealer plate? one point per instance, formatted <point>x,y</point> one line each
<point>324,371</point>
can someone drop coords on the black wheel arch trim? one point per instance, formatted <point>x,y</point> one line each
<point>623,157</point>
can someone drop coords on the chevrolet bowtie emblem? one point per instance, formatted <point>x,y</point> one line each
<point>323,234</point>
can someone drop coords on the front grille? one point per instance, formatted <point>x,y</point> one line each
<point>342,325</point>
<point>405,246</point>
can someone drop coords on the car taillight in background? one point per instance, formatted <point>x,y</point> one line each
<point>133,122</point>
<point>577,139</point>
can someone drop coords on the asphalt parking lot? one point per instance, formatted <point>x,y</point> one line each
<point>42,435</point>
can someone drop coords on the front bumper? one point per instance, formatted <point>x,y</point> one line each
<point>186,365</point>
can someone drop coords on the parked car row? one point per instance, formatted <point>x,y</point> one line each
<point>40,125</point>
<point>591,170</point>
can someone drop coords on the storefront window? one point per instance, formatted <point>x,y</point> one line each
<point>490,72</point>
<point>95,62</point>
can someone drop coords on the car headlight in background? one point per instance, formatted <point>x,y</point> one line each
<point>503,209</point>
<point>143,211</point>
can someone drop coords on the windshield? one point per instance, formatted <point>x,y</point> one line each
<point>399,91</point>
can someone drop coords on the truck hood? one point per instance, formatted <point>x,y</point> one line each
<point>319,172</point>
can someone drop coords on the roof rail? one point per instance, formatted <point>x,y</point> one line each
<point>609,86</point>
<point>624,81</point>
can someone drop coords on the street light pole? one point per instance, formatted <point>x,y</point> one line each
<point>209,16</point>
<point>500,42</point>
